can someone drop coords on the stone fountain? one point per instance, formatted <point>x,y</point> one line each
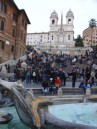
<point>42,113</point>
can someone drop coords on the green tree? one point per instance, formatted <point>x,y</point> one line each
<point>28,46</point>
<point>92,23</point>
<point>79,41</point>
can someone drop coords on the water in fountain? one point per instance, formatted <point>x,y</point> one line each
<point>15,123</point>
<point>76,113</point>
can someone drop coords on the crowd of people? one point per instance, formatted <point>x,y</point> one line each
<point>53,70</point>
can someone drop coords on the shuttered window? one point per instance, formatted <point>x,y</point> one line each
<point>1,25</point>
<point>3,7</point>
<point>2,44</point>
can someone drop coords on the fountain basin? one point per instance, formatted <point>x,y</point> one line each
<point>73,116</point>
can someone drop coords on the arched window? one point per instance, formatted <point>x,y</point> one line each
<point>53,21</point>
<point>69,21</point>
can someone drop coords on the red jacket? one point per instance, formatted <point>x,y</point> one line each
<point>58,82</point>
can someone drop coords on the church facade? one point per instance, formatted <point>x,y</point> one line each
<point>59,36</point>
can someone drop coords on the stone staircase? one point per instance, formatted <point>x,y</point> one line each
<point>65,91</point>
<point>12,64</point>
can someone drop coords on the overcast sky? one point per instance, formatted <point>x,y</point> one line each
<point>39,12</point>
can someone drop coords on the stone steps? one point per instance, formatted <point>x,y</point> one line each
<point>65,91</point>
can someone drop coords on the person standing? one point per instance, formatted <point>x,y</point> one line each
<point>83,85</point>
<point>58,83</point>
<point>28,75</point>
<point>92,77</point>
<point>65,76</point>
<point>74,77</point>
<point>34,76</point>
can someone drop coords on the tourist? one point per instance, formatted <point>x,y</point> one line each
<point>65,76</point>
<point>89,84</point>
<point>74,77</point>
<point>34,76</point>
<point>28,75</point>
<point>45,87</point>
<point>83,85</point>
<point>58,83</point>
<point>51,85</point>
<point>92,77</point>
<point>0,68</point>
<point>8,68</point>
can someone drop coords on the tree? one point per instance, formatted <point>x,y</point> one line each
<point>79,41</point>
<point>92,24</point>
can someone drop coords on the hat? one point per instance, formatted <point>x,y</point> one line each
<point>51,79</point>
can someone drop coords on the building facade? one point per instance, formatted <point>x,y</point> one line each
<point>90,36</point>
<point>13,30</point>
<point>59,36</point>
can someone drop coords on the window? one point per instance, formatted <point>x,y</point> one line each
<point>2,44</point>
<point>3,7</point>
<point>12,48</point>
<point>68,37</point>
<point>13,33</point>
<point>2,25</point>
<point>52,37</point>
<point>69,21</point>
<point>53,21</point>
<point>23,22</point>
<point>15,17</point>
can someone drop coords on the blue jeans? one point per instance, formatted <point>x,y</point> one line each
<point>28,79</point>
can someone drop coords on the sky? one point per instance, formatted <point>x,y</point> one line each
<point>39,11</point>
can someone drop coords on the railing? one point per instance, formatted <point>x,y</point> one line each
<point>63,48</point>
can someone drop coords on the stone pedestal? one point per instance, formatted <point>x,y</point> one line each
<point>88,91</point>
<point>59,92</point>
